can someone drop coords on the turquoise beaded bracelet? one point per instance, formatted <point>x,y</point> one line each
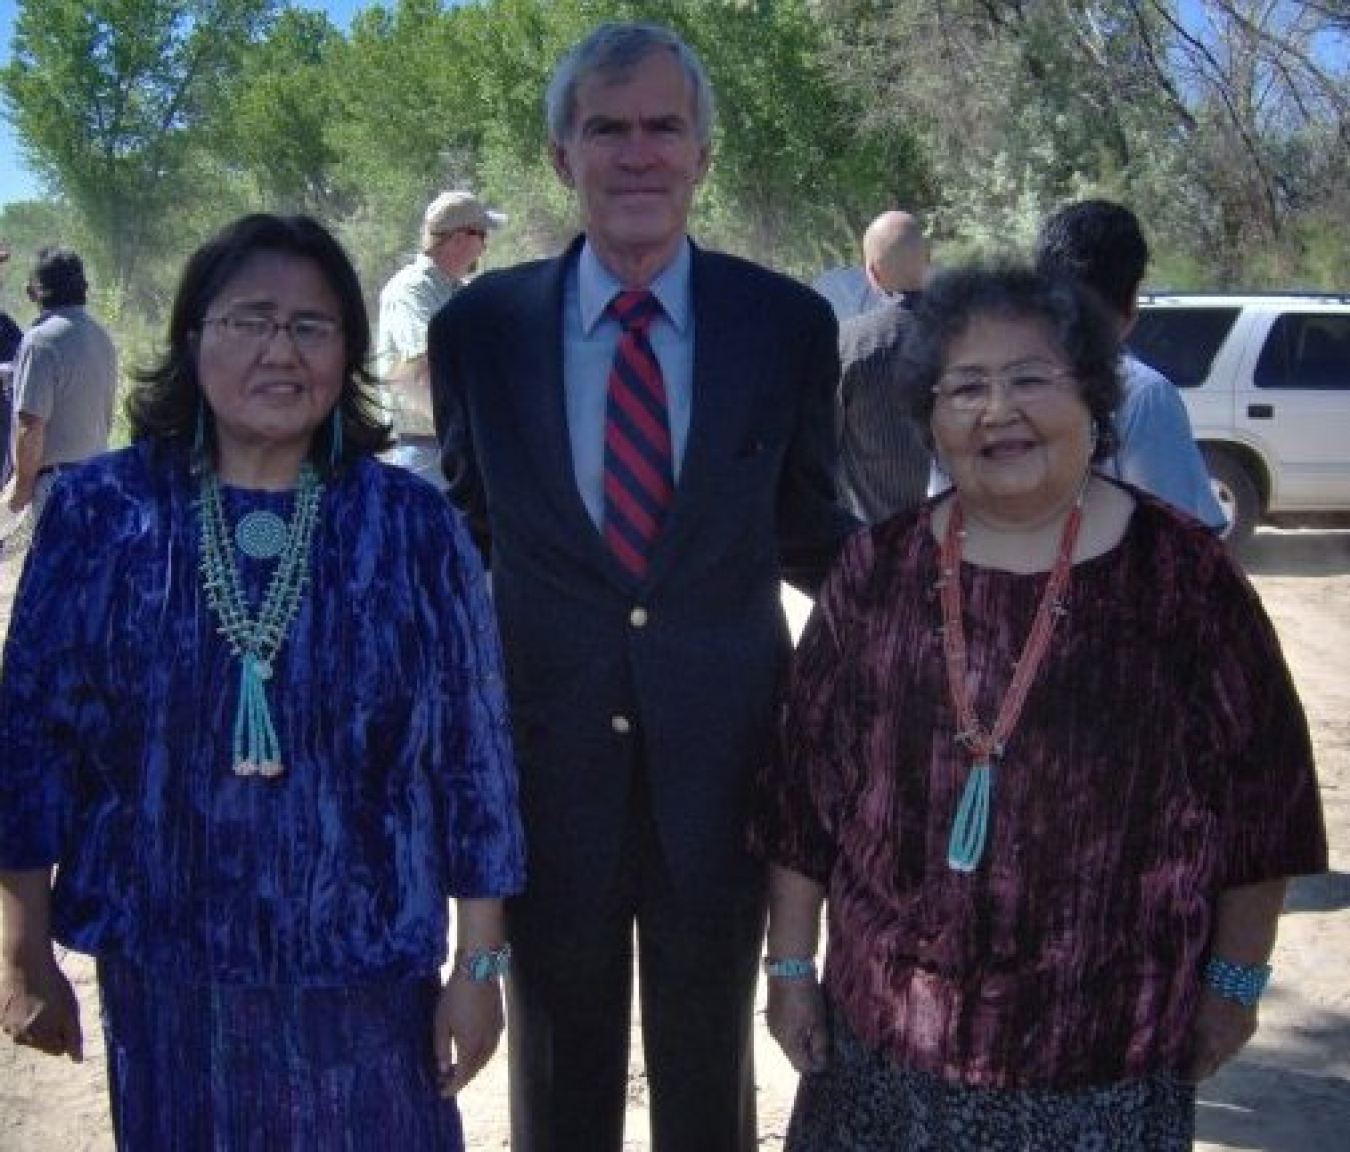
<point>790,968</point>
<point>1241,982</point>
<point>484,965</point>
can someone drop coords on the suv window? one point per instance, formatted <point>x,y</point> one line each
<point>1306,350</point>
<point>1181,343</point>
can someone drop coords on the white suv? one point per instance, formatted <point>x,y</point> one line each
<point>1266,380</point>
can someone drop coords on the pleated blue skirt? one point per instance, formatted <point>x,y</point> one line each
<point>222,1068</point>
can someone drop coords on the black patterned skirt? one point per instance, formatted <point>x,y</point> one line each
<point>863,1102</point>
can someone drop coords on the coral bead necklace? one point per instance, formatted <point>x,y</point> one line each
<point>970,826</point>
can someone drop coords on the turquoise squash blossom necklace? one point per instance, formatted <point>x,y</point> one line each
<point>970,827</point>
<point>255,640</point>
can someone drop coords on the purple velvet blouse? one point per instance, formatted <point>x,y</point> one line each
<point>1162,757</point>
<point>117,705</point>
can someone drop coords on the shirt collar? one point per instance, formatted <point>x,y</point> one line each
<point>597,286</point>
<point>427,265</point>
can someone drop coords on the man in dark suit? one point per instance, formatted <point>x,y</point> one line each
<point>884,461</point>
<point>636,551</point>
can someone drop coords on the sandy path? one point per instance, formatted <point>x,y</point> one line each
<point>1290,1091</point>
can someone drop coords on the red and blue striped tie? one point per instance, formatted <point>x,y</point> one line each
<point>639,478</point>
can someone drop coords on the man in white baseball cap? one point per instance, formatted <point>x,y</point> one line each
<point>454,234</point>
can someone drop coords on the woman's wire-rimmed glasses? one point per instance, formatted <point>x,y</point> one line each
<point>1023,385</point>
<point>307,333</point>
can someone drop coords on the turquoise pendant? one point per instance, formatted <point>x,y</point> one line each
<point>257,751</point>
<point>262,535</point>
<point>965,846</point>
<point>255,639</point>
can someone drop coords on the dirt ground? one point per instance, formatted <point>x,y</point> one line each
<point>1288,1092</point>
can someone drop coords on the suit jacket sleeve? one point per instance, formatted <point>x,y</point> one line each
<point>446,359</point>
<point>813,523</point>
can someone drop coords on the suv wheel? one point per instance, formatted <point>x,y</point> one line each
<point>1236,492</point>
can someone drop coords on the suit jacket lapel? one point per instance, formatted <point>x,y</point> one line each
<point>723,375</point>
<point>533,336</point>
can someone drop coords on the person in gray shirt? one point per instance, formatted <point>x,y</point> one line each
<point>65,382</point>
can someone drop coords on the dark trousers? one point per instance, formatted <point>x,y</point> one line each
<point>569,1000</point>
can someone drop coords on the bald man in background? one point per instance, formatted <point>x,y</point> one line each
<point>884,462</point>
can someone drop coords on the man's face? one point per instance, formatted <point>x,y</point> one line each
<point>457,253</point>
<point>634,160</point>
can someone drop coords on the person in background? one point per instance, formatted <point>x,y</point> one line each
<point>252,713</point>
<point>454,237</point>
<point>641,432</point>
<point>64,383</point>
<point>849,292</point>
<point>10,333</point>
<point>884,461</point>
<point>1102,245</point>
<point>10,336</point>
<point>1043,758</point>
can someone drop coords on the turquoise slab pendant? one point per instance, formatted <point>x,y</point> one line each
<point>971,825</point>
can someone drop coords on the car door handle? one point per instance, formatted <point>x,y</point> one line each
<point>1260,411</point>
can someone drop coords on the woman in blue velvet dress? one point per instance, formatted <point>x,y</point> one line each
<point>252,713</point>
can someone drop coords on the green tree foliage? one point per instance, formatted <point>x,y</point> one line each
<point>1223,122</point>
<point>798,168</point>
<point>275,124</point>
<point>1017,106</point>
<point>434,98</point>
<point>109,98</point>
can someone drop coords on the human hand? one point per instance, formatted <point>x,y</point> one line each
<point>38,1008</point>
<point>10,498</point>
<point>1222,1028</point>
<point>467,1026</point>
<point>796,1016</point>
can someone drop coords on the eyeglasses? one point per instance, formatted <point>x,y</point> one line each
<point>1024,385</point>
<point>307,333</point>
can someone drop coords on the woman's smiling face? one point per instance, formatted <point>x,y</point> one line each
<point>271,392</point>
<point>1014,457</point>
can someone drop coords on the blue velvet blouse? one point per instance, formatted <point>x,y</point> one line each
<point>117,705</point>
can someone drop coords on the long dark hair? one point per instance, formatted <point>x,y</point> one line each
<point>166,400</point>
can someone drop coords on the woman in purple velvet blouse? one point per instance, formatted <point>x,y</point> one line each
<point>1043,759</point>
<point>252,713</point>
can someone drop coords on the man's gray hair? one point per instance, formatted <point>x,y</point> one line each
<point>613,52</point>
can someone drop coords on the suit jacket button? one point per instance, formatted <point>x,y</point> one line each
<point>638,617</point>
<point>621,724</point>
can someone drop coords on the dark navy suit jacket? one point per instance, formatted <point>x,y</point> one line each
<point>690,659</point>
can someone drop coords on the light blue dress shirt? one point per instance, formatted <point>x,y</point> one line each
<point>590,337</point>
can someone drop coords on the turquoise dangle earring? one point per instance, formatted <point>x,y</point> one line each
<point>335,439</point>
<point>199,433</point>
